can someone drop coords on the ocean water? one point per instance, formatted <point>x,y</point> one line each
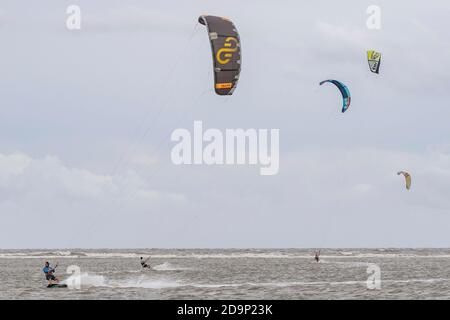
<point>230,274</point>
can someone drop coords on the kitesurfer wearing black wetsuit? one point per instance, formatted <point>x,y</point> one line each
<point>317,255</point>
<point>144,263</point>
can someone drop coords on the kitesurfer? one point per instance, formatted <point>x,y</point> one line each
<point>50,273</point>
<point>144,263</point>
<point>317,256</point>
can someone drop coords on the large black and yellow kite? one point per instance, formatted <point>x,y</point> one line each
<point>226,50</point>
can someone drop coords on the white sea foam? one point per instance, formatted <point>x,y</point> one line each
<point>310,283</point>
<point>166,266</point>
<point>156,283</point>
<point>145,283</point>
<point>87,280</point>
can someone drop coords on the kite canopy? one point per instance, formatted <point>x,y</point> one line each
<point>374,59</point>
<point>346,98</point>
<point>226,51</point>
<point>407,178</point>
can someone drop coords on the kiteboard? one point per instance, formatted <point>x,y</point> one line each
<point>57,285</point>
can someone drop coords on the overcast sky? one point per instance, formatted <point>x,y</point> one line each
<point>85,120</point>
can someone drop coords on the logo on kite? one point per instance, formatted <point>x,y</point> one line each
<point>407,178</point>
<point>226,52</point>
<point>374,60</point>
<point>346,98</point>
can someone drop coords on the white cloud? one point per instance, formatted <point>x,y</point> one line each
<point>41,193</point>
<point>12,165</point>
<point>49,175</point>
